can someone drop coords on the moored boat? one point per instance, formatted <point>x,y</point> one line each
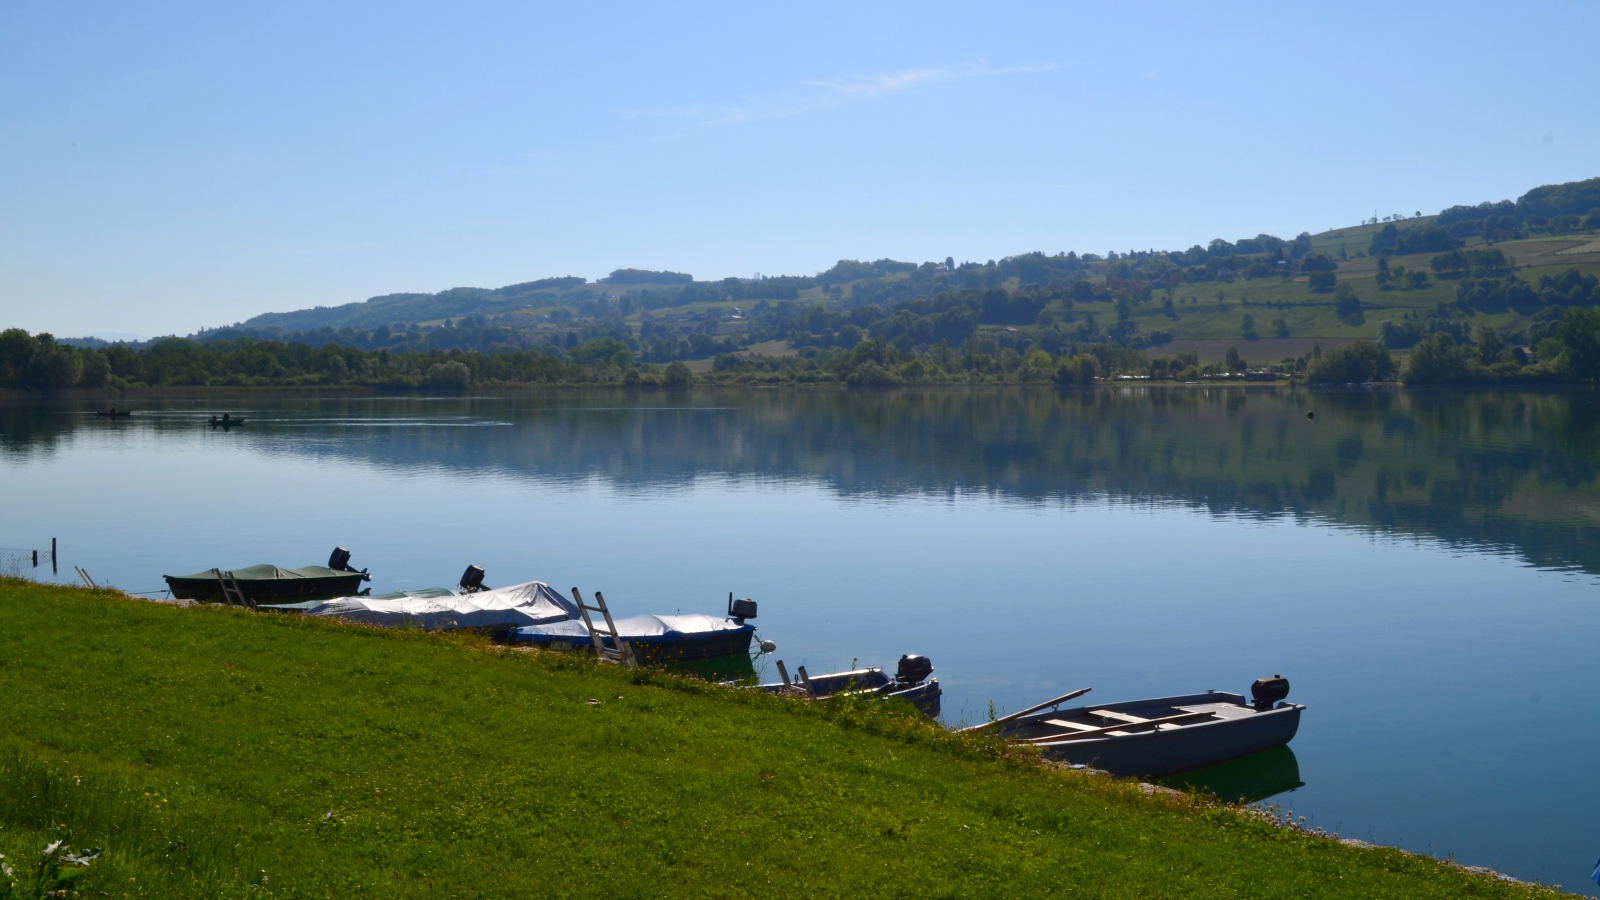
<point>265,583</point>
<point>113,413</point>
<point>912,682</point>
<point>443,609</point>
<point>1159,736</point>
<point>653,639</point>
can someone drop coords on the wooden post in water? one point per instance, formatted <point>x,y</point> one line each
<point>53,569</point>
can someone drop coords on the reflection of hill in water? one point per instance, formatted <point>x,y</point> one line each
<point>1514,470</point>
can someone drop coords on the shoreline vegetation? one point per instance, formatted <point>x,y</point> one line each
<point>1568,353</point>
<point>262,754</point>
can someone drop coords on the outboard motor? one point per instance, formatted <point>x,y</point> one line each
<point>472,580</point>
<point>1267,691</point>
<point>339,561</point>
<point>739,610</point>
<point>913,669</point>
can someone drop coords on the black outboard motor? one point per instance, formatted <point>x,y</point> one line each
<point>739,610</point>
<point>339,561</point>
<point>472,580</point>
<point>1267,691</point>
<point>913,669</point>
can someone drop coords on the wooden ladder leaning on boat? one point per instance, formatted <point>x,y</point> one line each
<point>619,652</point>
<point>232,594</point>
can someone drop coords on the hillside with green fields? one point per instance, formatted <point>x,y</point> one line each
<point>1495,292</point>
<point>1296,293</point>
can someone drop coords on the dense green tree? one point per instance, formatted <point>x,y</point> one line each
<point>1490,346</point>
<point>1437,360</point>
<point>448,375</point>
<point>676,375</point>
<point>1357,361</point>
<point>1579,336</point>
<point>1348,306</point>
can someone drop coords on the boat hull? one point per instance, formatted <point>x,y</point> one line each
<point>1237,729</point>
<point>266,591</point>
<point>1171,750</point>
<point>653,652</point>
<point>653,639</point>
<point>926,696</point>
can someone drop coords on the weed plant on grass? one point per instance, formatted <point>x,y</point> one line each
<point>219,753</point>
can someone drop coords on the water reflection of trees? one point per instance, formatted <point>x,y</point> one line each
<point>1508,469</point>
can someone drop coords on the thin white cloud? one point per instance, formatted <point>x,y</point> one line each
<point>828,94</point>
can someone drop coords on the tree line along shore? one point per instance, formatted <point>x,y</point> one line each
<point>1567,351</point>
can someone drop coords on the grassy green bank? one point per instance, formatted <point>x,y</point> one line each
<point>219,753</point>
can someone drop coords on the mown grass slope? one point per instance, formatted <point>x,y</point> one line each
<point>205,750</point>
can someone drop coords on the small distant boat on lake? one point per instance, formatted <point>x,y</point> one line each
<point>1161,736</point>
<point>113,413</point>
<point>253,585</point>
<point>226,421</point>
<point>912,682</point>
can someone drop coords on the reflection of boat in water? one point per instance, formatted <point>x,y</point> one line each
<point>1160,736</point>
<point>1246,780</point>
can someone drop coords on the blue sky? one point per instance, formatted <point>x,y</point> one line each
<point>165,167</point>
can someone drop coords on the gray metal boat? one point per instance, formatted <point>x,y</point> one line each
<point>912,682</point>
<point>1160,736</point>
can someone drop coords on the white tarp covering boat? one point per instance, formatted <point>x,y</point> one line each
<point>531,603</point>
<point>653,638</point>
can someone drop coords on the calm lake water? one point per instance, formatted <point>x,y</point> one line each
<point>1422,566</point>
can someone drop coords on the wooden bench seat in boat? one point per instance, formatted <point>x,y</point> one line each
<point>1119,717</point>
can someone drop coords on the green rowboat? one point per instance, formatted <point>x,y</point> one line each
<point>267,583</point>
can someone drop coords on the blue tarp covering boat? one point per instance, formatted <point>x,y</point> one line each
<point>654,639</point>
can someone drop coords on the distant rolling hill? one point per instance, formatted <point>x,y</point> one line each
<point>1261,290</point>
<point>405,309</point>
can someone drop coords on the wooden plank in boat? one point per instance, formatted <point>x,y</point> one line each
<point>1074,726</point>
<point>1071,726</point>
<point>1221,710</point>
<point>1120,717</point>
<point>1115,730</point>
